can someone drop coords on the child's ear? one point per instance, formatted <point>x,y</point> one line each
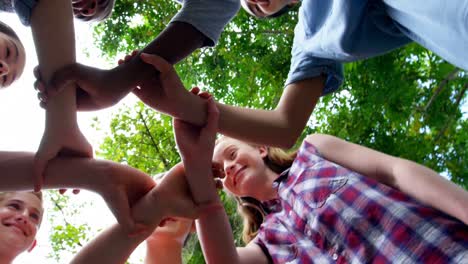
<point>33,245</point>
<point>263,151</point>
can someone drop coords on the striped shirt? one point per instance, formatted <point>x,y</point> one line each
<point>329,214</point>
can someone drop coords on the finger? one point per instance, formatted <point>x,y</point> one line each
<point>42,97</point>
<point>205,95</point>
<point>120,207</point>
<point>64,77</point>
<point>43,105</point>
<point>135,52</point>
<point>39,86</point>
<point>219,184</point>
<point>211,126</point>
<point>159,63</point>
<point>76,191</point>
<point>127,58</point>
<point>62,191</point>
<point>120,61</point>
<point>37,73</point>
<point>40,163</point>
<point>195,90</point>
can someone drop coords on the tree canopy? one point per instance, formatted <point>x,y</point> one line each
<point>408,103</point>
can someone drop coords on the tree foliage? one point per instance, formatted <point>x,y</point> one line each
<point>407,103</point>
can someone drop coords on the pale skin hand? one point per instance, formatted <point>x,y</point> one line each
<point>100,88</point>
<point>52,28</point>
<point>169,198</point>
<point>279,127</point>
<point>119,185</point>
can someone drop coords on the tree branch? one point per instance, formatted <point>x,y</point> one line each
<point>164,161</point>
<point>442,85</point>
<point>457,104</point>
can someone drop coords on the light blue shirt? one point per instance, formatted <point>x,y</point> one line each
<point>334,31</point>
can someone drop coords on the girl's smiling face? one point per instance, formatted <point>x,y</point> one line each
<point>243,165</point>
<point>265,8</point>
<point>20,217</point>
<point>12,59</point>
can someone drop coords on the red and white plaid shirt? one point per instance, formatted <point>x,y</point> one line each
<point>327,214</point>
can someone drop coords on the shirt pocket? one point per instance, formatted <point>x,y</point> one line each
<point>321,191</point>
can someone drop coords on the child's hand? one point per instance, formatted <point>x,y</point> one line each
<point>41,88</point>
<point>58,141</point>
<point>170,198</point>
<point>97,88</point>
<point>165,92</point>
<point>196,144</point>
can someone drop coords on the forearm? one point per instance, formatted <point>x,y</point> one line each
<point>431,189</point>
<point>201,183</point>
<point>417,181</point>
<point>163,249</point>
<point>215,235</point>
<point>17,172</point>
<point>175,43</point>
<point>112,246</point>
<point>54,38</point>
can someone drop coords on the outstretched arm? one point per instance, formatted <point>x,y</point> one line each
<point>170,197</point>
<point>214,231</point>
<point>119,185</point>
<point>279,127</point>
<point>54,38</point>
<point>419,182</point>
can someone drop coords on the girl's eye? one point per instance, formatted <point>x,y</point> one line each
<point>233,154</point>
<point>14,206</point>
<point>8,52</point>
<point>35,217</point>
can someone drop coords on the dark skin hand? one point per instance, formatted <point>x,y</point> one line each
<point>100,89</point>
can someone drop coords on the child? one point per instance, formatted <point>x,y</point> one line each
<point>332,201</point>
<point>12,56</point>
<point>21,216</point>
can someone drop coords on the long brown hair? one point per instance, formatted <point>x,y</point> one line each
<point>250,209</point>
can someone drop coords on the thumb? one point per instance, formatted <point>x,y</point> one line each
<point>158,63</point>
<point>211,126</point>
<point>120,207</point>
<point>41,159</point>
<point>62,78</point>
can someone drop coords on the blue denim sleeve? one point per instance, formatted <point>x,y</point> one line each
<point>24,10</point>
<point>208,16</point>
<point>305,65</point>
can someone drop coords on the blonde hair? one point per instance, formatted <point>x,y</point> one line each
<point>250,209</point>
<point>3,195</point>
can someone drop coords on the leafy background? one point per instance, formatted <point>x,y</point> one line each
<point>407,103</point>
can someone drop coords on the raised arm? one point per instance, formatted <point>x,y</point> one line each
<point>198,24</point>
<point>170,197</point>
<point>279,127</point>
<point>417,181</point>
<point>54,38</point>
<point>214,231</point>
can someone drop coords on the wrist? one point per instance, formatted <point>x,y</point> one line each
<point>193,110</point>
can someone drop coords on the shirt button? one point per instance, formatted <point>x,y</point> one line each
<point>290,213</point>
<point>335,256</point>
<point>308,233</point>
